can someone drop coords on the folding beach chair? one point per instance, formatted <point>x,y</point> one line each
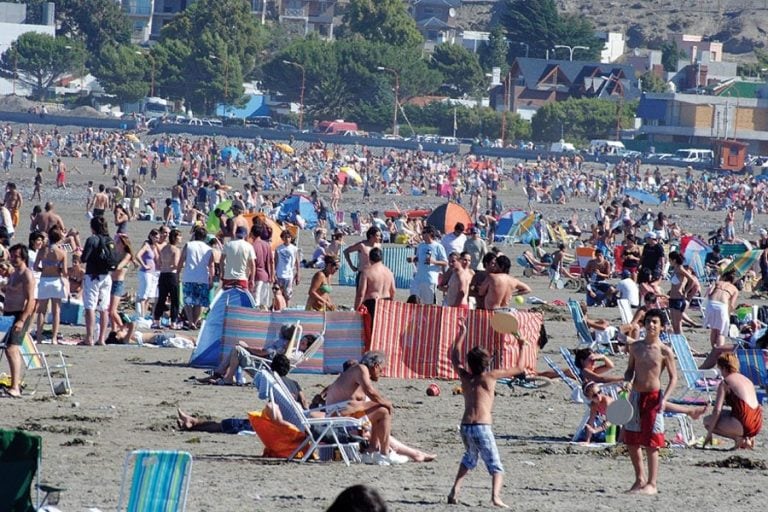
<point>582,330</point>
<point>572,384</point>
<point>20,458</point>
<point>696,381</point>
<point>159,481</point>
<point>38,362</point>
<point>752,366</point>
<point>322,434</point>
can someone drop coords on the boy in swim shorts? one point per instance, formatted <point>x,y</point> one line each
<point>648,358</point>
<point>478,387</point>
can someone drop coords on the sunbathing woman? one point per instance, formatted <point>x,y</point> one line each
<point>744,420</point>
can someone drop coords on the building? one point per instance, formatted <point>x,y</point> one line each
<point>474,40</point>
<point>693,45</point>
<point>312,16</point>
<point>614,46</point>
<point>533,83</point>
<point>436,19</point>
<point>140,13</point>
<point>697,119</point>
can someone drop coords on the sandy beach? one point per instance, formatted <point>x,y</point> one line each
<point>125,398</point>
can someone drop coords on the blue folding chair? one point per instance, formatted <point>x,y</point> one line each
<point>698,382</point>
<point>752,366</point>
<point>159,483</point>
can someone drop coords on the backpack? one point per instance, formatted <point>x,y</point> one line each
<point>106,254</point>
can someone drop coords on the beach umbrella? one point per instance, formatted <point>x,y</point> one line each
<point>285,148</point>
<point>212,224</point>
<point>643,196</point>
<point>351,174</point>
<point>743,262</point>
<point>445,217</point>
<point>230,152</point>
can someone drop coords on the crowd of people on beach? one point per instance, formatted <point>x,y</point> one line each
<point>195,245</point>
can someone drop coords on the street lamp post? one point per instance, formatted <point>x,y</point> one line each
<point>571,49</point>
<point>152,73</point>
<point>397,93</point>
<point>527,47</point>
<point>301,93</point>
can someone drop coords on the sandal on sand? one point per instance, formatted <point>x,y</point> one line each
<point>6,393</point>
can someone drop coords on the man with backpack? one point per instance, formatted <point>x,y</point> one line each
<point>100,259</point>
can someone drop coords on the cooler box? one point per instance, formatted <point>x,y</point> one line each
<point>72,313</point>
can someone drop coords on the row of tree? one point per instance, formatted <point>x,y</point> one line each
<point>206,53</point>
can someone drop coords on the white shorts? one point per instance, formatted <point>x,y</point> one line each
<point>718,317</point>
<point>96,292</point>
<point>261,294</point>
<point>426,292</point>
<point>147,285</point>
<point>51,288</point>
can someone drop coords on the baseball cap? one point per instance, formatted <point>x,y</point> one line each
<point>625,274</point>
<point>241,232</point>
<point>763,232</point>
<point>651,235</point>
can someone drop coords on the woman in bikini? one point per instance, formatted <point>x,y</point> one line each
<point>147,258</point>
<point>631,255</point>
<point>320,288</point>
<point>51,262</point>
<point>680,280</point>
<point>722,297</point>
<point>125,259</point>
<point>744,420</point>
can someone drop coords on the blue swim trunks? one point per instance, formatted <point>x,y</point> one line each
<point>196,294</point>
<point>479,440</point>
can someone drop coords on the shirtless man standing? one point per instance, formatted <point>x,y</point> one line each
<point>376,282</point>
<point>499,287</point>
<point>363,249</point>
<point>20,304</point>
<point>457,294</point>
<point>354,385</point>
<point>13,201</point>
<point>100,203</point>
<point>47,219</point>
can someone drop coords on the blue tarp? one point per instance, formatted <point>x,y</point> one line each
<point>256,106</point>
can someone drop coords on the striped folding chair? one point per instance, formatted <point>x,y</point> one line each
<point>159,481</point>
<point>752,366</point>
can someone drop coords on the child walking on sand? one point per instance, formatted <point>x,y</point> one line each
<point>478,387</point>
<point>647,359</point>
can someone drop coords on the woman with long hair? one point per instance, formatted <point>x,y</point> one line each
<point>51,262</point>
<point>147,259</point>
<point>680,280</point>
<point>125,257</point>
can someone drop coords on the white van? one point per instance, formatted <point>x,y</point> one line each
<point>562,147</point>
<point>606,147</point>
<point>693,155</point>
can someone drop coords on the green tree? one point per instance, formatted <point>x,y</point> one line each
<point>97,22</point>
<point>39,60</point>
<point>437,117</point>
<point>220,43</point>
<point>123,71</point>
<point>535,22</point>
<point>494,53</point>
<point>538,24</point>
<point>670,54</point>
<point>342,79</point>
<point>460,68</point>
<point>383,21</point>
<point>652,83</point>
<point>581,119</point>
